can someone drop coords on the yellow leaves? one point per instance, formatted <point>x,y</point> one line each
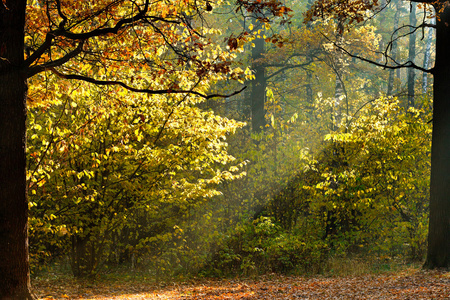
<point>103,145</point>
<point>392,175</point>
<point>92,148</point>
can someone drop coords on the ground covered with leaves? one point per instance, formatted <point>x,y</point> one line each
<point>409,284</point>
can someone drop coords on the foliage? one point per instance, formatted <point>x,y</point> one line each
<point>359,194</point>
<point>111,172</point>
<point>152,180</point>
<point>367,190</point>
<point>263,246</point>
<point>101,168</point>
<point>363,191</point>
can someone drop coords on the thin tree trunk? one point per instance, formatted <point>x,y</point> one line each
<point>427,57</point>
<point>258,87</point>
<point>309,83</point>
<point>339,85</point>
<point>412,57</point>
<point>438,255</point>
<point>309,73</point>
<point>394,51</point>
<point>14,263</point>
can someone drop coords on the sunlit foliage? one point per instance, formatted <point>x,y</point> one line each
<point>359,194</point>
<point>131,162</point>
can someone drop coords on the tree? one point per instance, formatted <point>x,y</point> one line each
<point>106,43</point>
<point>438,255</point>
<point>439,229</point>
<point>394,49</point>
<point>13,196</point>
<point>97,166</point>
<point>117,153</point>
<point>412,57</point>
<point>259,84</point>
<point>427,58</point>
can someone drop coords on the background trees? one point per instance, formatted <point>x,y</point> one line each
<point>438,244</point>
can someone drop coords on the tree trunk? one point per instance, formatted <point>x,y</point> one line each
<point>394,50</point>
<point>309,73</point>
<point>412,57</point>
<point>339,93</point>
<point>258,87</point>
<point>427,57</point>
<point>438,255</point>
<point>14,263</point>
<point>309,83</point>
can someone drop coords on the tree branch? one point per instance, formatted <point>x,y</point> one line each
<point>55,63</point>
<point>143,91</point>
<point>408,64</point>
<point>41,50</point>
<point>61,31</point>
<point>286,67</point>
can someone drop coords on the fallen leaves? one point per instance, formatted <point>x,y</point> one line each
<point>410,284</point>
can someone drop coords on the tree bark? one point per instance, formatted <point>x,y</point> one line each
<point>258,95</point>
<point>438,255</point>
<point>427,57</point>
<point>412,57</point>
<point>14,262</point>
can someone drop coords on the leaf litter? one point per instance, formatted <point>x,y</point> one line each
<point>409,284</point>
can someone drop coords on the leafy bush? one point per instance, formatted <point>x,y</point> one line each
<point>263,246</point>
<point>110,179</point>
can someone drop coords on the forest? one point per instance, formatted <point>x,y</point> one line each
<point>244,149</point>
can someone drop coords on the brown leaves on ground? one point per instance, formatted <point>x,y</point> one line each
<point>411,284</point>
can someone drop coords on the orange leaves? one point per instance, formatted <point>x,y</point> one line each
<point>121,39</point>
<point>219,67</point>
<point>411,284</point>
<point>276,40</point>
<point>232,43</point>
<point>350,11</point>
<point>260,8</point>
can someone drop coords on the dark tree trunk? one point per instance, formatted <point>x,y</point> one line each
<point>438,255</point>
<point>258,87</point>
<point>412,57</point>
<point>14,263</point>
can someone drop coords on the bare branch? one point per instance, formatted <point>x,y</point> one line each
<point>408,64</point>
<point>41,50</point>
<point>55,63</point>
<point>137,90</point>
<point>61,14</point>
<point>286,67</point>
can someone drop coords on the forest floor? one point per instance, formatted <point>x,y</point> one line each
<point>405,284</point>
